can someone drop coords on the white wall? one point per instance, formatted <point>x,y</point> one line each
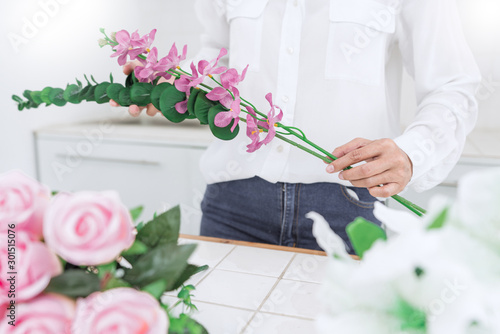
<point>65,47</point>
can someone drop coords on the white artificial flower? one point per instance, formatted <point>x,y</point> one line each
<point>477,208</point>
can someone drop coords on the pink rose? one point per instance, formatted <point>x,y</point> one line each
<point>88,228</point>
<point>120,310</point>
<point>23,202</point>
<point>45,314</point>
<point>33,263</point>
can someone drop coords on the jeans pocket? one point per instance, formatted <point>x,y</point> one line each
<point>354,199</point>
<point>358,40</point>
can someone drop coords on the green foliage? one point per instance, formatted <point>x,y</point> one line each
<point>185,325</point>
<point>114,90</point>
<point>440,220</point>
<point>164,96</point>
<point>166,261</point>
<point>201,107</point>
<point>156,288</point>
<point>413,318</point>
<point>363,235</point>
<point>74,283</point>
<point>136,212</point>
<point>100,93</point>
<point>168,99</point>
<point>225,132</point>
<point>140,93</point>
<point>192,100</point>
<point>163,229</point>
<point>156,93</point>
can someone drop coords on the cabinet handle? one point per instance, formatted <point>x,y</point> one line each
<point>120,161</point>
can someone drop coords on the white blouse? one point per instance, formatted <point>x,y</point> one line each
<point>335,68</point>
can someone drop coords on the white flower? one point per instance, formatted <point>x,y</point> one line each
<point>477,208</point>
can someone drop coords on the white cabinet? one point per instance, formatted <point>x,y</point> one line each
<point>156,166</point>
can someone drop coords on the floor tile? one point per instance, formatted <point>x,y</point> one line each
<point>256,261</point>
<point>219,319</point>
<point>293,298</point>
<point>234,289</point>
<point>208,253</point>
<point>265,323</point>
<point>308,268</point>
<point>216,319</point>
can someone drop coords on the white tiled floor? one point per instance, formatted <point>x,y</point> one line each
<point>254,290</point>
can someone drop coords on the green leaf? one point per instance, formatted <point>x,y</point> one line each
<point>35,95</point>
<point>90,96</point>
<point>163,229</point>
<point>156,289</point>
<point>190,271</point>
<point>114,90</point>
<point>44,95</point>
<point>131,79</point>
<point>192,100</point>
<point>201,107</point>
<point>411,317</point>
<point>104,269</point>
<point>168,99</point>
<point>225,132</point>
<point>136,212</point>
<point>140,93</point>
<point>74,283</point>
<point>137,248</point>
<point>17,99</point>
<point>56,97</point>
<point>115,282</point>
<point>124,97</point>
<point>111,77</point>
<point>440,220</point>
<point>363,235</point>
<point>101,95</point>
<point>156,93</point>
<point>83,93</point>
<point>185,325</point>
<point>72,94</point>
<point>166,261</point>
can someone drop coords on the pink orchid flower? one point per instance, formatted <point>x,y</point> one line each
<point>126,46</point>
<point>173,59</point>
<point>206,68</point>
<point>223,119</point>
<point>144,43</point>
<point>229,80</point>
<point>253,131</point>
<point>152,67</point>
<point>272,119</point>
<point>132,45</point>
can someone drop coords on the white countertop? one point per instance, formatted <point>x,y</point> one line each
<point>254,290</point>
<point>481,143</point>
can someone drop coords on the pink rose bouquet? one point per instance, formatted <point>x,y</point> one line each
<point>45,314</point>
<point>92,255</point>
<point>22,202</point>
<point>88,228</point>
<point>120,310</point>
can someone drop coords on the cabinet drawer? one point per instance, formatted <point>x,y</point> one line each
<point>156,176</point>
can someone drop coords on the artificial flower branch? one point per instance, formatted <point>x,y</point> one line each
<point>219,107</point>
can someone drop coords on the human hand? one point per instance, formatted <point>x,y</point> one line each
<point>386,172</point>
<point>135,110</point>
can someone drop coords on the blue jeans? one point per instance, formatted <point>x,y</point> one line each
<point>274,213</point>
